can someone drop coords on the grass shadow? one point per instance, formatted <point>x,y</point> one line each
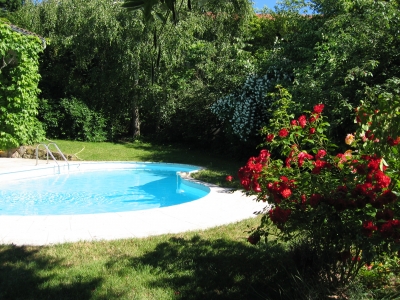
<point>198,268</point>
<point>213,264</point>
<point>27,274</point>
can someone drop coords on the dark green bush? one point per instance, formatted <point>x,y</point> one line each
<point>72,119</point>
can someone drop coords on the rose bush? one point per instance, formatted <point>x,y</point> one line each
<point>344,205</point>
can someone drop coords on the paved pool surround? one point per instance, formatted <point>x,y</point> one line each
<point>221,206</point>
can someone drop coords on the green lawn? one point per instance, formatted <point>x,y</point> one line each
<point>212,264</point>
<point>217,167</point>
<point>216,263</point>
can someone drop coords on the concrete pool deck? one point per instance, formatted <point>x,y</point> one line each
<point>221,206</point>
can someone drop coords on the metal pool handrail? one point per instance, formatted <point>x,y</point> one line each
<point>59,152</point>
<point>51,154</point>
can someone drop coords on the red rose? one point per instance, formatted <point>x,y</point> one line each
<point>382,180</point>
<point>286,193</point>
<point>320,154</point>
<point>264,154</point>
<point>315,199</point>
<point>393,142</point>
<point>288,160</point>
<point>318,108</point>
<point>269,137</point>
<point>229,178</point>
<point>294,123</point>
<point>369,135</point>
<point>319,165</point>
<point>256,187</point>
<point>302,156</point>
<point>316,170</point>
<point>313,118</point>
<point>386,229</point>
<point>279,215</point>
<point>284,179</point>
<point>360,168</point>
<point>368,228</point>
<point>395,223</point>
<point>312,130</point>
<point>362,189</point>
<point>374,163</point>
<point>245,182</point>
<point>302,121</point>
<point>283,132</point>
<point>254,238</point>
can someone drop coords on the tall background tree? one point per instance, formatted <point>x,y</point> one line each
<point>156,70</point>
<point>10,5</point>
<point>113,76</point>
<point>336,56</point>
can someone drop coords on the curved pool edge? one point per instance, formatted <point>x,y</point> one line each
<point>27,170</point>
<point>221,206</point>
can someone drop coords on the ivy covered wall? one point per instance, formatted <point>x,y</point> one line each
<point>19,78</point>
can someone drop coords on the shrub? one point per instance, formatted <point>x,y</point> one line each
<point>244,111</point>
<point>344,207</point>
<point>72,119</point>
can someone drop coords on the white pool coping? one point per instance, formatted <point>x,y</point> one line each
<point>221,206</point>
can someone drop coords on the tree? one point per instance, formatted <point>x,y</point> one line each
<point>10,5</point>
<point>354,48</point>
<point>162,9</point>
<point>336,57</point>
<point>107,58</point>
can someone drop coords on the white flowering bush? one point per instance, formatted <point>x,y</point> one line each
<point>245,111</point>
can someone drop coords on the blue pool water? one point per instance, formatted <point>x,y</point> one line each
<point>106,188</point>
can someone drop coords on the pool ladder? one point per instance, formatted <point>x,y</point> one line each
<point>51,154</point>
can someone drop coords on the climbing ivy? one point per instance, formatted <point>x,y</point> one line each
<point>19,80</point>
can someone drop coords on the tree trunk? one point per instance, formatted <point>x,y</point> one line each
<point>135,108</point>
<point>135,121</point>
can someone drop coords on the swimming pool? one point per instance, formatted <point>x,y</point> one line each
<point>91,188</point>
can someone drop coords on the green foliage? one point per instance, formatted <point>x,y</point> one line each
<point>205,60</point>
<point>72,119</point>
<point>378,119</point>
<point>10,5</point>
<point>351,47</point>
<point>162,9</point>
<point>106,57</point>
<point>209,69</point>
<point>19,79</point>
<point>343,209</point>
<point>334,56</point>
<point>267,28</point>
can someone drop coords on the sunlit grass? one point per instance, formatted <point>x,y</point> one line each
<point>216,167</point>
